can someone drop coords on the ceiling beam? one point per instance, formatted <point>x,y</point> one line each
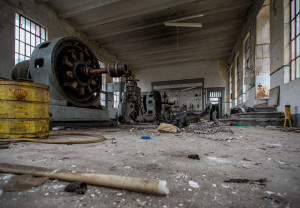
<point>209,29</point>
<point>200,53</point>
<point>84,8</point>
<point>174,61</point>
<point>194,49</point>
<point>154,9</point>
<point>172,45</point>
<point>141,27</point>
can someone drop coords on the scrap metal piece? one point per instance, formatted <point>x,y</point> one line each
<point>216,121</point>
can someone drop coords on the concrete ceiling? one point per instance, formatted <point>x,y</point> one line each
<point>134,30</point>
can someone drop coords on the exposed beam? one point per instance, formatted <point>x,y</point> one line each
<point>173,61</point>
<point>206,41</point>
<point>200,53</point>
<point>191,50</point>
<point>182,24</point>
<point>213,28</point>
<point>154,9</point>
<point>132,29</point>
<point>84,8</point>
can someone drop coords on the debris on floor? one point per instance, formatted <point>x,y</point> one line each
<point>24,182</point>
<point>207,128</point>
<point>77,187</point>
<point>244,180</point>
<point>194,157</point>
<point>167,128</point>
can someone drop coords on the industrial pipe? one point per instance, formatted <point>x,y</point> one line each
<point>152,186</point>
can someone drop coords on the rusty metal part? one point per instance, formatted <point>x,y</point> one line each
<point>117,69</point>
<point>90,71</point>
<point>67,63</point>
<point>216,121</point>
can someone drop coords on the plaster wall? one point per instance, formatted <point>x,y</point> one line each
<point>43,16</point>
<point>190,70</point>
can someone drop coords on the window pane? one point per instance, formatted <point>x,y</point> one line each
<point>27,58</point>
<point>297,6</point>
<point>293,49</point>
<point>22,48</point>
<point>38,41</point>
<point>27,50</point>
<point>22,22</point>
<point>297,45</point>
<point>43,34</point>
<point>297,25</point>
<point>292,9</point>
<point>32,40</point>
<point>22,35</point>
<point>293,29</point>
<point>297,67</point>
<point>32,28</point>
<point>16,46</point>
<point>22,58</point>
<point>28,37</point>
<point>16,58</point>
<point>17,33</point>
<point>293,70</point>
<point>27,25</point>
<point>31,50</point>
<point>38,30</point>
<point>17,19</point>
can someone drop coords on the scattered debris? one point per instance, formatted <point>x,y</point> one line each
<point>243,180</point>
<point>241,126</point>
<point>78,187</point>
<point>145,137</point>
<point>194,157</point>
<point>4,146</point>
<point>194,184</point>
<point>113,141</point>
<point>58,128</point>
<point>207,128</point>
<point>167,128</point>
<point>24,182</point>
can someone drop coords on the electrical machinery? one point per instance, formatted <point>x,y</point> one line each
<point>73,73</point>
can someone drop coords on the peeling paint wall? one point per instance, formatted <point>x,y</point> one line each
<point>43,16</point>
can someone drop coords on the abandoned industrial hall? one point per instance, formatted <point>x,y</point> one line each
<point>149,103</point>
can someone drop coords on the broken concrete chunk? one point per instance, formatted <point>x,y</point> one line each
<point>167,128</point>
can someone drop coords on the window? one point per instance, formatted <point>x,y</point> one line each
<point>247,54</point>
<point>246,74</point>
<point>28,34</point>
<point>116,94</point>
<point>295,68</point>
<point>103,87</point>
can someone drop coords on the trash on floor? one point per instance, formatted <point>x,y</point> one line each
<point>194,157</point>
<point>167,128</point>
<point>78,187</point>
<point>244,180</point>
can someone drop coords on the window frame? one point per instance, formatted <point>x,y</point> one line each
<point>294,37</point>
<point>36,33</point>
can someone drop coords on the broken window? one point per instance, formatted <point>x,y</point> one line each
<point>116,94</point>
<point>28,35</point>
<point>295,68</point>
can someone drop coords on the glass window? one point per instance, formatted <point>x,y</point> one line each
<point>28,35</point>
<point>116,94</point>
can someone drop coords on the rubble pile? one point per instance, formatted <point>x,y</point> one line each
<point>207,128</point>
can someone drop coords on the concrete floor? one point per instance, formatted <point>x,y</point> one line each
<point>251,153</point>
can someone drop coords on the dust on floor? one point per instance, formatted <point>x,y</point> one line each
<point>251,153</point>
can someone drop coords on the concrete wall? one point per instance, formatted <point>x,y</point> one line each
<point>190,70</point>
<point>43,16</point>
